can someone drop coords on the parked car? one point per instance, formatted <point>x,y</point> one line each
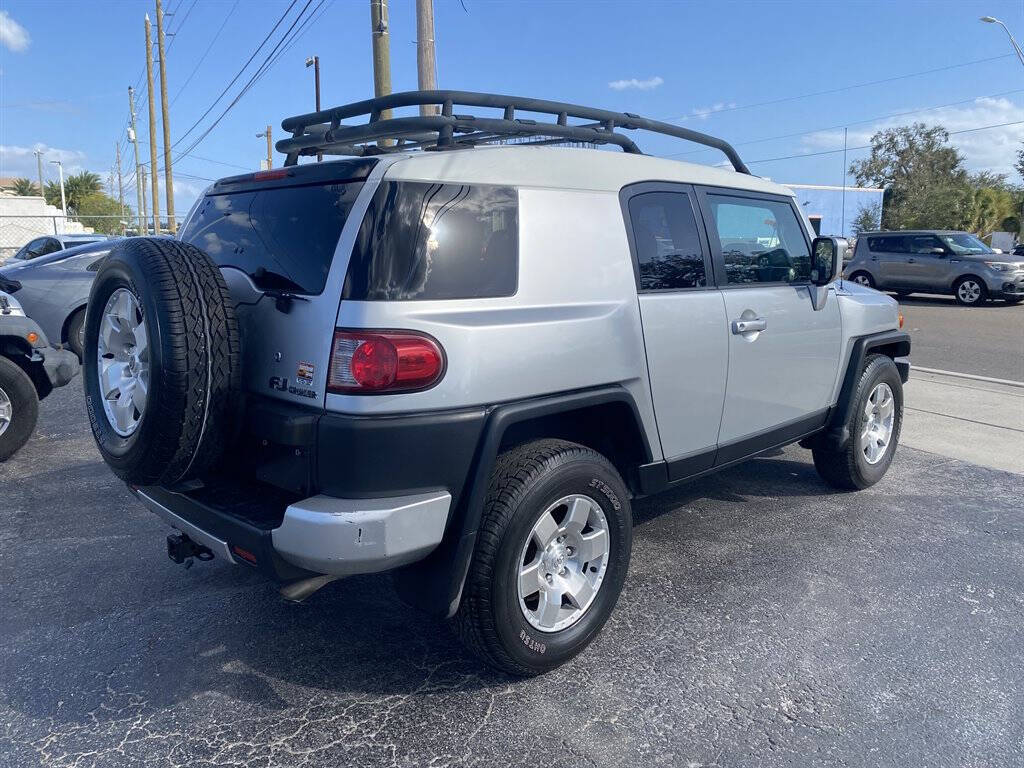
<point>43,246</point>
<point>932,261</point>
<point>55,289</point>
<point>29,370</point>
<point>462,365</point>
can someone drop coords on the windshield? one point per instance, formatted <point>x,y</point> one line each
<point>962,243</point>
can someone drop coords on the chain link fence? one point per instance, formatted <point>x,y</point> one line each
<point>17,230</point>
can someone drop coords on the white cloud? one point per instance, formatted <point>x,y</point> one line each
<point>642,85</point>
<point>12,34</point>
<point>994,149</point>
<point>18,161</point>
<point>701,113</point>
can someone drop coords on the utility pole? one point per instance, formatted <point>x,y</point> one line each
<point>270,146</point>
<point>63,200</point>
<point>39,169</point>
<point>145,208</point>
<point>140,183</point>
<point>155,199</point>
<point>165,113</point>
<point>381,56</point>
<point>426,64</point>
<point>314,61</point>
<point>120,181</point>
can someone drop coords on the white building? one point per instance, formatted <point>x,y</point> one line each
<point>24,218</point>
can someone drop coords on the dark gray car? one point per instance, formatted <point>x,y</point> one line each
<point>55,289</point>
<point>47,244</point>
<point>934,261</point>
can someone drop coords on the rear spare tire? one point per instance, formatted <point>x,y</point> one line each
<point>161,360</point>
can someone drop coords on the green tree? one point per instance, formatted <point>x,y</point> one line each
<point>24,187</point>
<point>100,212</point>
<point>927,185</point>
<point>77,187</point>
<point>869,217</point>
<point>1020,162</point>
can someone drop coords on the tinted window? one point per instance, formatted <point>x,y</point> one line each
<point>284,237</point>
<point>924,243</point>
<point>890,244</point>
<point>436,241</point>
<point>51,245</point>
<point>668,248</point>
<point>762,240</point>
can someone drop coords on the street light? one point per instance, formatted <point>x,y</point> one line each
<point>993,20</point>
<point>314,62</point>
<point>63,200</point>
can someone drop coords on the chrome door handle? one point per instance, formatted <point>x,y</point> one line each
<point>748,326</point>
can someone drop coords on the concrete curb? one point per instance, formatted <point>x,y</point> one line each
<point>973,377</point>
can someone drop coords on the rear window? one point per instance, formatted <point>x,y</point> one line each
<point>422,241</point>
<point>283,237</point>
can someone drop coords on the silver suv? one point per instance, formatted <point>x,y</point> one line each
<point>460,362</point>
<point>935,261</point>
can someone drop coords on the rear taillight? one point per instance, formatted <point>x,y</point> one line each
<point>383,361</point>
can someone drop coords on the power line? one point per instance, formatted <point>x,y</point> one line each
<point>174,35</point>
<point>828,91</point>
<point>238,75</point>
<point>205,53</point>
<point>868,146</point>
<point>853,122</point>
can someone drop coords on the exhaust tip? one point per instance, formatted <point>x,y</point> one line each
<point>297,591</point>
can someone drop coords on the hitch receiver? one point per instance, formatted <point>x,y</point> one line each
<point>181,549</point>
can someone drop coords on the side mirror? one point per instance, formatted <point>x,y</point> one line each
<point>826,259</point>
<point>938,251</point>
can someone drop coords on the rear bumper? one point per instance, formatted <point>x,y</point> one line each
<point>321,534</point>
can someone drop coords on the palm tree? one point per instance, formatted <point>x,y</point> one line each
<point>76,189</point>
<point>24,187</point>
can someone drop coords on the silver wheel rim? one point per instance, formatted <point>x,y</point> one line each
<point>563,563</point>
<point>122,352</point>
<point>81,336</point>
<point>879,417</point>
<point>969,291</point>
<point>6,411</point>
<point>862,280</point>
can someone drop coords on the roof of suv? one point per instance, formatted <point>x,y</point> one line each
<point>565,168</point>
<point>914,232</point>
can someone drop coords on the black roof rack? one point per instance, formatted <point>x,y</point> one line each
<point>323,132</point>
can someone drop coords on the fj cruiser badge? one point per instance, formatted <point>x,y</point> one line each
<point>304,374</point>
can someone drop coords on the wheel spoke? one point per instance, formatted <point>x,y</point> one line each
<point>141,341</point>
<point>139,392</point>
<point>579,513</point>
<point>124,411</point>
<point>529,579</point>
<point>549,606</point>
<point>111,379</point>
<point>580,590</point>
<point>545,529</point>
<point>592,546</point>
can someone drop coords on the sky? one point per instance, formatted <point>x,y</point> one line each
<point>779,80</point>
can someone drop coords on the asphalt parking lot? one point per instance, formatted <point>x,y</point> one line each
<point>765,621</point>
<point>984,341</point>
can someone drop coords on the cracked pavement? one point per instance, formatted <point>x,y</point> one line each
<point>765,620</point>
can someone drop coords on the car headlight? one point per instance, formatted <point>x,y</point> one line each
<point>1001,266</point>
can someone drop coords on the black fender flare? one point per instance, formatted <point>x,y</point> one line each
<point>895,344</point>
<point>435,583</point>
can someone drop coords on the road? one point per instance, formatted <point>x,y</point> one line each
<point>765,621</point>
<point>986,341</point>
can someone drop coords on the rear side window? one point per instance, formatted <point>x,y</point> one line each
<point>890,244</point>
<point>668,249</point>
<point>284,238</point>
<point>762,240</point>
<point>422,241</point>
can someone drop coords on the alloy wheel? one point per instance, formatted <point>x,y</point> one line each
<point>879,418</point>
<point>563,563</point>
<point>969,291</point>
<point>123,356</point>
<point>6,411</point>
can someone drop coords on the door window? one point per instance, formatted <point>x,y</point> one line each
<point>668,245</point>
<point>890,244</point>
<point>51,245</point>
<point>762,241</point>
<point>925,244</point>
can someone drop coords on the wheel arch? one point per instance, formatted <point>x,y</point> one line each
<point>66,325</point>
<point>964,276</point>
<point>589,417</point>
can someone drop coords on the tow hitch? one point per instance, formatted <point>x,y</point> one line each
<point>181,549</point>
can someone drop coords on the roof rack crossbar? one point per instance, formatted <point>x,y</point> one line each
<point>325,132</point>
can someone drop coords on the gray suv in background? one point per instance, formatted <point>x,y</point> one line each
<point>934,261</point>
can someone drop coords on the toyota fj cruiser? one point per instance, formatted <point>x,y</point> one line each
<point>460,362</point>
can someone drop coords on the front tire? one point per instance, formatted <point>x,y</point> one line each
<point>863,278</point>
<point>874,422</point>
<point>551,557</point>
<point>19,408</point>
<point>76,334</point>
<point>970,291</point>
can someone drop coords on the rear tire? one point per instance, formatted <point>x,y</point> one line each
<point>182,331</point>
<point>856,466</point>
<point>529,485</point>
<point>19,408</point>
<point>970,291</point>
<point>863,278</point>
